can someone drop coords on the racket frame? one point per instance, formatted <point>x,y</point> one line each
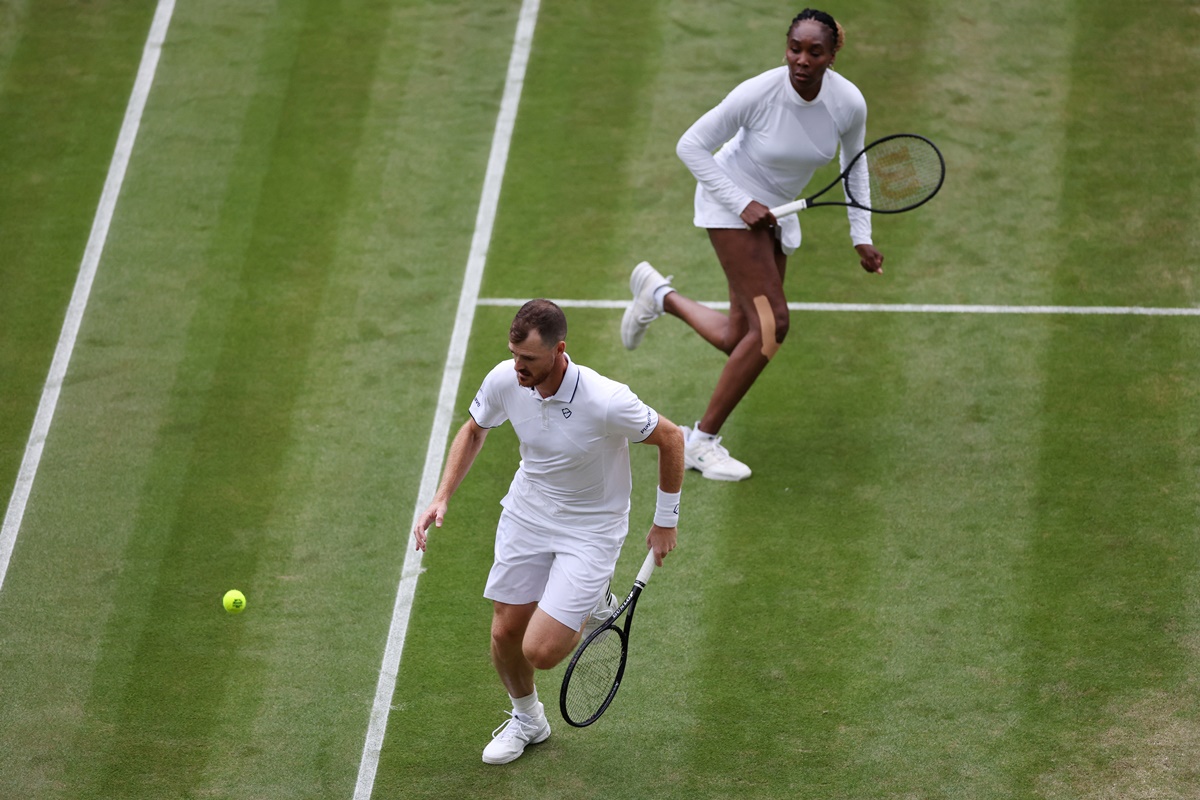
<point>811,201</point>
<point>624,610</point>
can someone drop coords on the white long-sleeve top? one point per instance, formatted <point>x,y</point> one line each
<point>772,140</point>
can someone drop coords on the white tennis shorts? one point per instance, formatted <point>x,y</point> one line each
<point>711,213</point>
<point>564,572</point>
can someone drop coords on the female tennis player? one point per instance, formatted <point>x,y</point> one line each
<point>771,134</point>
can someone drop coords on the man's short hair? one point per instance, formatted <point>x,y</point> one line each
<point>543,316</point>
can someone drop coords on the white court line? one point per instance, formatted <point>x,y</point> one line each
<point>911,308</point>
<point>83,284</point>
<point>467,302</point>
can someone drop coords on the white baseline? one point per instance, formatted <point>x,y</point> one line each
<point>911,308</point>
<point>32,459</point>
<point>467,302</point>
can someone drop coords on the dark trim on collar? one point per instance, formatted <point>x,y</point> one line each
<point>570,366</point>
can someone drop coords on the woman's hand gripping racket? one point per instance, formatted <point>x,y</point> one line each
<point>594,674</point>
<point>905,171</point>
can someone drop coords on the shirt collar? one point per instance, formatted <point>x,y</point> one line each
<point>566,389</point>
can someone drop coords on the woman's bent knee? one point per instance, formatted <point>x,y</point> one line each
<point>773,323</point>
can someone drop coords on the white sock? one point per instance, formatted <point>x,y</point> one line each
<point>698,435</point>
<point>526,706</point>
<point>660,294</point>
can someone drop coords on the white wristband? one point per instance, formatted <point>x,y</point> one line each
<point>666,510</point>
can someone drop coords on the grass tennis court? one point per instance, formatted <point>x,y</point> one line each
<point>967,565</point>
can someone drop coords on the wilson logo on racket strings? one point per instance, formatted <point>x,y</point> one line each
<point>898,178</point>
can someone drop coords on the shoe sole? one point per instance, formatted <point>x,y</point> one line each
<point>631,336</point>
<point>689,464</point>
<point>726,478</point>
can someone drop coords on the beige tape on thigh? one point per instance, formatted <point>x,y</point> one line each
<point>766,324</point>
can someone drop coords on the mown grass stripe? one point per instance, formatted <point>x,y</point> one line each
<point>603,58</point>
<point>126,139</point>
<point>215,475</point>
<point>1109,665</point>
<point>448,393</point>
<point>66,73</point>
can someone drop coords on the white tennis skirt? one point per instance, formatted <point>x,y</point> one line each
<point>710,213</point>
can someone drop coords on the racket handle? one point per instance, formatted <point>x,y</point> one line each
<point>789,208</point>
<point>647,569</point>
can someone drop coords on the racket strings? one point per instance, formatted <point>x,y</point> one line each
<point>594,676</point>
<point>904,172</point>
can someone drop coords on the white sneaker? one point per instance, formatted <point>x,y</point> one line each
<point>644,282</point>
<point>711,459</point>
<point>509,740</point>
<point>601,614</point>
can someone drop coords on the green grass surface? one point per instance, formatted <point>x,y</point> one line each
<point>966,565</point>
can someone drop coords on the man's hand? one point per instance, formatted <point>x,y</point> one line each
<point>661,541</point>
<point>466,445</point>
<point>432,516</point>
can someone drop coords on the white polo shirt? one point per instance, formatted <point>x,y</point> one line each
<point>574,470</point>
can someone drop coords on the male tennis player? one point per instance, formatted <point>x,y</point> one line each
<point>566,513</point>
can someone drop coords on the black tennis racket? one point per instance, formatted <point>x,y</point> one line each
<point>594,674</point>
<point>906,171</point>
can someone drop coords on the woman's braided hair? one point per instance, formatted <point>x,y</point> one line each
<point>839,36</point>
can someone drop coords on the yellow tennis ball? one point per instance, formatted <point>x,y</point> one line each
<point>234,601</point>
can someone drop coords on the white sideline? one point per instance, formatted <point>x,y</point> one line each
<point>467,302</point>
<point>15,514</point>
<point>912,308</point>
